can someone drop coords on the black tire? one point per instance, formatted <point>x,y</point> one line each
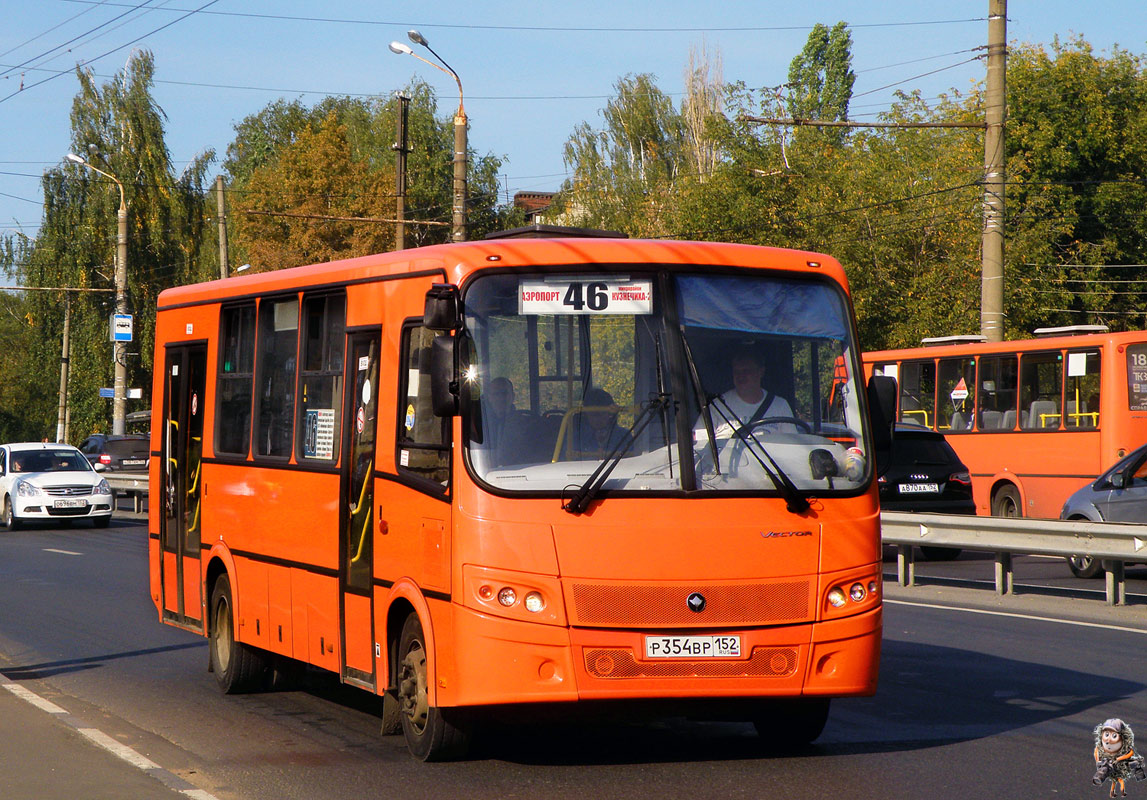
<point>791,722</point>
<point>432,734</point>
<point>11,521</point>
<point>238,667</point>
<point>1085,566</point>
<point>102,522</point>
<point>940,553</point>
<point>1006,502</point>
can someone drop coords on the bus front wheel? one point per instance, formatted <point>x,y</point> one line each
<point>432,734</point>
<point>238,667</point>
<point>1006,502</point>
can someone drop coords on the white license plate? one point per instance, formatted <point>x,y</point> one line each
<point>692,646</point>
<point>919,488</point>
<point>134,462</point>
<point>70,504</point>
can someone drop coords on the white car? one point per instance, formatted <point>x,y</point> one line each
<point>51,482</point>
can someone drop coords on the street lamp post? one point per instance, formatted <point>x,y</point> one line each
<point>459,220</point>
<point>119,348</point>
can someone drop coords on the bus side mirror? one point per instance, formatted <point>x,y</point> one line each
<point>882,392</point>
<point>443,380</point>
<point>443,309</point>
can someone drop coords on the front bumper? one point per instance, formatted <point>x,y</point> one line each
<point>48,507</point>
<point>499,661</point>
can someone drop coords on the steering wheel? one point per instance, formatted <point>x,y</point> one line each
<point>749,427</point>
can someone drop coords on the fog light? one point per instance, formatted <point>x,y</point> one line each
<point>836,597</point>
<point>857,592</point>
<point>535,602</point>
<point>507,597</point>
<point>486,592</point>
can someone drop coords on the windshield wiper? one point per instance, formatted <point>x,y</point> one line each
<point>795,502</point>
<point>584,495</point>
<point>703,400</point>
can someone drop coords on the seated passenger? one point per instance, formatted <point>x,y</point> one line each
<point>596,430</point>
<point>507,431</point>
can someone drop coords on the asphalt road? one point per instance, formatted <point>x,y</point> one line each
<point>978,697</point>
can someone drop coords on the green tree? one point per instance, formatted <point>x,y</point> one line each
<point>821,77</point>
<point>335,159</point>
<point>119,128</point>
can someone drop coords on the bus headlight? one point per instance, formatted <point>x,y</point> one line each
<point>836,597</point>
<point>535,603</point>
<point>521,596</point>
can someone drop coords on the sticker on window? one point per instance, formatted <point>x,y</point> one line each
<point>410,418</point>
<point>599,295</point>
<point>319,435</point>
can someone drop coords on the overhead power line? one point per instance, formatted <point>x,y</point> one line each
<point>555,28</point>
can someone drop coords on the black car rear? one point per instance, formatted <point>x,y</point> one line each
<point>925,475</point>
<point>118,453</point>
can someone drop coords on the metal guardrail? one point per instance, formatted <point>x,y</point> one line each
<point>135,485</point>
<point>1115,544</point>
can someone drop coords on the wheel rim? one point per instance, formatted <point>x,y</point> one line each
<point>1081,563</point>
<point>222,634</point>
<point>412,687</point>
<point>1008,507</point>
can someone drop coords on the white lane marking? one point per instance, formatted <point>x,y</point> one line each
<point>1019,616</point>
<point>33,698</point>
<point>100,738</point>
<point>61,552</point>
<point>118,749</point>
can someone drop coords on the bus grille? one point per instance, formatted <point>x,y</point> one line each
<point>613,605</point>
<point>618,662</point>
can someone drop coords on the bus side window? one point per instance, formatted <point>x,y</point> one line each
<point>423,438</point>
<point>956,390</point>
<point>918,393</point>
<point>997,396</point>
<point>1041,388</point>
<point>319,426</point>
<point>1081,397</point>
<point>278,350</point>
<point>236,373</point>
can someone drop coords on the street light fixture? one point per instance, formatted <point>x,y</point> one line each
<point>459,222</point>
<point>119,348</point>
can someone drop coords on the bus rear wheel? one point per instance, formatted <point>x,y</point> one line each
<point>791,722</point>
<point>1006,502</point>
<point>238,667</point>
<point>432,734</point>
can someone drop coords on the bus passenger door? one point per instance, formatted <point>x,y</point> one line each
<point>357,519</point>
<point>185,370</point>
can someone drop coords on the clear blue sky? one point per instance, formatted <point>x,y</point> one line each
<point>531,71</point>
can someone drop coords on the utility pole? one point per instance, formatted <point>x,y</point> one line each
<point>400,150</point>
<point>221,215</point>
<point>65,368</point>
<point>995,108</point>
<point>119,347</point>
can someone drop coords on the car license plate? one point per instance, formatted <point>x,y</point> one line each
<point>70,504</point>
<point>692,646</point>
<point>919,488</point>
<point>134,462</point>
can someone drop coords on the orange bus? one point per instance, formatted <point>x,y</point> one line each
<point>473,476</point>
<point>1033,420</point>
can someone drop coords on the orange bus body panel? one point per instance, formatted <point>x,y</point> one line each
<point>1044,467</point>
<point>274,529</point>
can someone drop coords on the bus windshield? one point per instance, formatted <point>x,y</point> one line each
<point>749,382</point>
